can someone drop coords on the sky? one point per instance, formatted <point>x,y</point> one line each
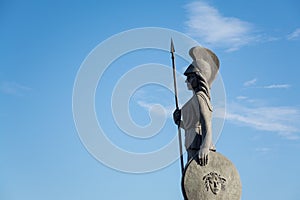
<point>48,49</point>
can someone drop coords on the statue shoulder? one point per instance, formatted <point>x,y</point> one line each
<point>191,102</point>
<point>201,96</point>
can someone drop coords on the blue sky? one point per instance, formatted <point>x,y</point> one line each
<point>43,45</point>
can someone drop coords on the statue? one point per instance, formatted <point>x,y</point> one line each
<point>207,174</point>
<point>197,112</point>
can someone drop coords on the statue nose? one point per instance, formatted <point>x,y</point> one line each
<point>215,184</point>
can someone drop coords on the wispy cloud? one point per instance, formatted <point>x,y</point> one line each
<point>155,99</point>
<point>250,82</point>
<point>263,150</point>
<point>253,82</point>
<point>294,35</point>
<point>281,120</point>
<point>208,24</point>
<point>241,97</point>
<point>277,86</point>
<point>13,88</point>
<point>157,108</point>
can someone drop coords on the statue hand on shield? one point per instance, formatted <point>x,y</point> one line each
<point>203,155</point>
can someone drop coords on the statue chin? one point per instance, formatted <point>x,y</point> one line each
<point>189,86</point>
<point>215,190</point>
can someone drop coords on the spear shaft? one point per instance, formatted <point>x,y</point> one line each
<point>172,51</point>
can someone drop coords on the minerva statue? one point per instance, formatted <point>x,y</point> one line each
<point>207,174</point>
<point>197,112</point>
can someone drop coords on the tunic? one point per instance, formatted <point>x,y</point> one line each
<point>193,112</point>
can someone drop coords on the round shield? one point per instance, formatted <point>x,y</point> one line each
<point>218,180</point>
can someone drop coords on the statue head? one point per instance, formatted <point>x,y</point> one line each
<point>205,64</point>
<point>214,182</point>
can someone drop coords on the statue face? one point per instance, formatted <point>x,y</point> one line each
<point>188,85</point>
<point>215,184</point>
<point>191,80</point>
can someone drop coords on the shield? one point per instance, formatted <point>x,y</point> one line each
<point>218,180</point>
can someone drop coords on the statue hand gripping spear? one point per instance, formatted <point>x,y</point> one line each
<point>172,51</point>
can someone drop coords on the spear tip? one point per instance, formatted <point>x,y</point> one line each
<point>172,49</point>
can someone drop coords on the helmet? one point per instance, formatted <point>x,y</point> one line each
<point>205,63</point>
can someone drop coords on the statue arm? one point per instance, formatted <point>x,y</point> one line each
<point>205,121</point>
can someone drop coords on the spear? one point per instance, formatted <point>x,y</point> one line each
<point>172,51</point>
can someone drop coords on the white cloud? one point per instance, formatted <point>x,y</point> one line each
<point>294,35</point>
<point>277,86</point>
<point>13,88</point>
<point>281,120</point>
<point>207,23</point>
<point>157,108</point>
<point>290,136</point>
<point>241,97</point>
<point>263,149</point>
<point>251,82</point>
<point>272,86</point>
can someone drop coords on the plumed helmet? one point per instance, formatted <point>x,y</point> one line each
<point>205,63</point>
